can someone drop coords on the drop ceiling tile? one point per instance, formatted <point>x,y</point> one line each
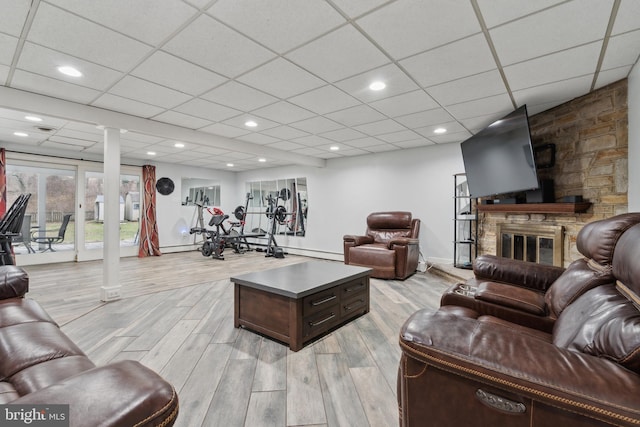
<point>53,145</point>
<point>52,87</point>
<point>144,20</point>
<point>561,27</point>
<point>79,135</point>
<point>622,50</point>
<point>239,122</point>
<point>4,73</point>
<point>180,119</point>
<point>8,116</point>
<point>396,80</point>
<point>606,77</point>
<point>149,93</point>
<point>476,124</point>
<point>127,106</point>
<point>83,143</point>
<point>368,141</point>
<point>380,127</point>
<point>564,90</point>
<point>414,143</point>
<point>325,100</point>
<point>357,115</point>
<point>173,72</point>
<point>316,125</point>
<point>349,152</point>
<point>224,130</point>
<point>313,141</point>
<point>497,12</point>
<point>141,137</point>
<point>206,110</point>
<point>499,104</point>
<point>468,88</point>
<point>407,103</point>
<point>14,13</point>
<point>563,65</point>
<point>627,17</point>
<point>394,137</point>
<point>283,112</point>
<point>7,48</point>
<point>383,148</point>
<point>212,45</point>
<point>450,62</point>
<point>343,135</point>
<point>338,55</point>
<point>425,118</point>
<point>285,132</point>
<point>281,78</point>
<point>208,150</point>
<point>449,138</point>
<point>280,25</point>
<point>286,145</point>
<point>57,29</point>
<point>309,151</point>
<point>407,27</point>
<point>239,96</point>
<point>82,127</point>
<point>355,8</point>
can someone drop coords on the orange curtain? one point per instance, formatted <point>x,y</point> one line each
<point>149,244</point>
<point>3,183</point>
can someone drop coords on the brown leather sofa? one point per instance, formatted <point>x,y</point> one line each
<point>461,367</point>
<point>40,365</point>
<point>390,245</point>
<point>533,294</point>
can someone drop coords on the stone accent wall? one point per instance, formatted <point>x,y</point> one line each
<point>591,138</point>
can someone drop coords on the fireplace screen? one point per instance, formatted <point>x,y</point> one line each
<point>541,243</point>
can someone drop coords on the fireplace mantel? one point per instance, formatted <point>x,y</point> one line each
<point>557,208</point>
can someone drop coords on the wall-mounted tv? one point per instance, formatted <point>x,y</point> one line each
<point>499,159</point>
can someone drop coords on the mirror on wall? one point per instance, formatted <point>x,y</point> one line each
<point>199,191</point>
<point>286,198</point>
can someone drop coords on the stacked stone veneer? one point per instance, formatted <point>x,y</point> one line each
<point>590,134</point>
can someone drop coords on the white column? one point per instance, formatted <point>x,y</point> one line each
<point>111,264</point>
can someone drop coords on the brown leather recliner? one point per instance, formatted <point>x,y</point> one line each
<point>390,247</point>
<point>460,367</point>
<point>40,365</point>
<point>534,295</point>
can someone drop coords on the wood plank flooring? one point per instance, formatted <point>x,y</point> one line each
<point>176,317</point>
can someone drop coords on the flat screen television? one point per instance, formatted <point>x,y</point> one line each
<point>499,159</point>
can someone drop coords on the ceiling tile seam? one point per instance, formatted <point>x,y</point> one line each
<point>535,12</point>
<point>362,15</point>
<point>494,53</point>
<point>22,39</point>
<point>605,42</point>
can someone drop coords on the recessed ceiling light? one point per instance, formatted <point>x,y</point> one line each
<point>21,134</point>
<point>230,165</point>
<point>151,153</point>
<point>439,130</point>
<point>178,145</point>
<point>250,123</point>
<point>262,160</point>
<point>334,148</point>
<point>377,85</point>
<point>33,118</point>
<point>69,71</point>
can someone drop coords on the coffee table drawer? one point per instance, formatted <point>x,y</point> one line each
<point>322,321</point>
<point>320,301</point>
<point>349,290</point>
<point>356,304</point>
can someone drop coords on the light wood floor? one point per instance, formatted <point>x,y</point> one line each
<point>176,317</point>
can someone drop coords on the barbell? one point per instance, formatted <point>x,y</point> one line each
<point>280,213</point>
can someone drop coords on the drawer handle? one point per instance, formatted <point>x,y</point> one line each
<point>320,322</point>
<point>500,403</point>
<point>323,300</point>
<point>350,307</point>
<point>354,288</point>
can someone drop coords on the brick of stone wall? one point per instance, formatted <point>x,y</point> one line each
<point>591,139</point>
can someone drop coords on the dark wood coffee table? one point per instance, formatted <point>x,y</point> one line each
<point>299,302</point>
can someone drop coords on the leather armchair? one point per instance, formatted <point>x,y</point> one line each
<point>40,365</point>
<point>390,245</point>
<point>462,367</point>
<point>534,295</point>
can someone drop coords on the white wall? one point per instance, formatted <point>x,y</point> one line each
<point>633,103</point>
<point>343,194</point>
